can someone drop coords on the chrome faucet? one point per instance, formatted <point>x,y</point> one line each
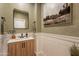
<point>22,35</point>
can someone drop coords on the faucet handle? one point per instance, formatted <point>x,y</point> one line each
<point>26,34</point>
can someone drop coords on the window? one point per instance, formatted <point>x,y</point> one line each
<point>20,19</point>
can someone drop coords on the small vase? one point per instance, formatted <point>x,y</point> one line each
<point>13,36</point>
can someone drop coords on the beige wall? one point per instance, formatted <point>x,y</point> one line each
<point>6,10</point>
<point>72,30</point>
<point>38,17</point>
<point>1,13</point>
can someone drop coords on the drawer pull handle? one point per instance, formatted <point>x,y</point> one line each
<point>23,45</point>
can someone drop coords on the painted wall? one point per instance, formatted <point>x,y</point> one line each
<point>72,30</point>
<point>1,13</point>
<point>6,10</point>
<point>38,17</point>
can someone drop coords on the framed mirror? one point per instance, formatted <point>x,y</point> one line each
<point>20,19</point>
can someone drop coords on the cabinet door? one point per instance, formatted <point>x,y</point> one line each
<point>18,49</point>
<point>24,48</point>
<point>30,47</point>
<point>11,49</point>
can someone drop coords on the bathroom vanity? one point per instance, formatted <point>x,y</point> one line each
<point>21,47</point>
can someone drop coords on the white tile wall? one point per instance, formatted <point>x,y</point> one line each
<point>54,45</point>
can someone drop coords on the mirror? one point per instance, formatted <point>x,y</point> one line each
<point>21,19</point>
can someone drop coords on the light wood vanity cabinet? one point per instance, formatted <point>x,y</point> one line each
<point>22,48</point>
<point>11,49</point>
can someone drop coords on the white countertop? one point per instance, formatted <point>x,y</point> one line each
<point>19,39</point>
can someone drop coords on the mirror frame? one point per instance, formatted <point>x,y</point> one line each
<point>22,12</point>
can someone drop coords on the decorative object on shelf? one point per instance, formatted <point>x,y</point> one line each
<point>2,24</point>
<point>34,28</point>
<point>57,14</point>
<point>74,50</point>
<point>12,32</point>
